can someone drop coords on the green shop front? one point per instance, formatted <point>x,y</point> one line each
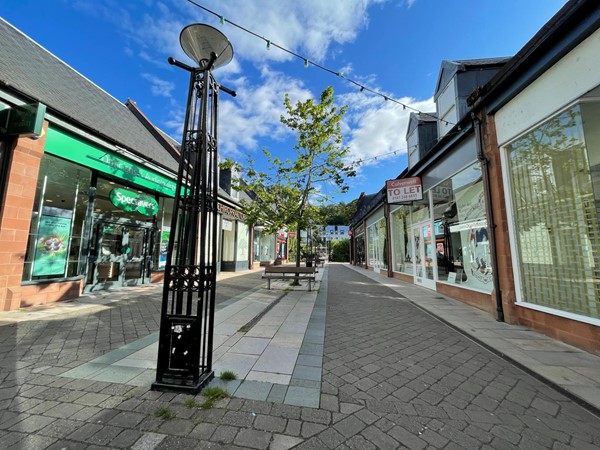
<point>98,217</point>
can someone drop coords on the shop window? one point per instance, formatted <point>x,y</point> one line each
<point>264,246</point>
<point>555,188</point>
<point>460,229</point>
<point>360,248</point>
<point>57,236</point>
<point>242,241</point>
<point>401,245</point>
<point>377,245</point>
<point>163,224</point>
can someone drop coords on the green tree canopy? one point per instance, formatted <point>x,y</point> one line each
<point>289,190</point>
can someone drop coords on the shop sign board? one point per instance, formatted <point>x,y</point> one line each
<point>404,190</point>
<point>52,245</point>
<point>133,201</point>
<point>23,120</point>
<point>75,149</point>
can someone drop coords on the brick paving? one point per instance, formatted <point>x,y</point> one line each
<point>393,377</point>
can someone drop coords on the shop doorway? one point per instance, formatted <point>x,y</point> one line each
<point>121,256</point>
<point>424,253</point>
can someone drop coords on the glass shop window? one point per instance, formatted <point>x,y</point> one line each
<point>57,235</point>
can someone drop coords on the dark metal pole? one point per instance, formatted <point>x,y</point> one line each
<point>187,315</point>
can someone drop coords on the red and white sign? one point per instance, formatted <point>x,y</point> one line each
<point>404,190</point>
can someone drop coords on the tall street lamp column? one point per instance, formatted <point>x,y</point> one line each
<point>188,303</point>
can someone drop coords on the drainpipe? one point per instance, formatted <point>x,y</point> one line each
<point>490,213</point>
<point>388,235</point>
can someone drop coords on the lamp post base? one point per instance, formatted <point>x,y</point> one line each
<point>179,385</point>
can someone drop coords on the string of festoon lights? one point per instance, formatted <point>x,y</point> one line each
<point>308,63</point>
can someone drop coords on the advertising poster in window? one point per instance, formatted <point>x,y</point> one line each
<point>472,227</point>
<point>52,246</point>
<point>164,243</point>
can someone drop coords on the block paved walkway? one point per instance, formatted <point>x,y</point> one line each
<point>393,376</point>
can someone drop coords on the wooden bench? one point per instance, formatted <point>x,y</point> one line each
<point>320,261</point>
<point>289,273</point>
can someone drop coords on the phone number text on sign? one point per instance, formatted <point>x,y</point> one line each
<point>404,190</point>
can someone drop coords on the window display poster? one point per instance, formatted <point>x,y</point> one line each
<point>164,244</point>
<point>51,250</point>
<point>474,237</point>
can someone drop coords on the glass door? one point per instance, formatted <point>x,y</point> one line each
<point>423,245</point>
<point>121,256</point>
<point>109,257</point>
<point>135,243</point>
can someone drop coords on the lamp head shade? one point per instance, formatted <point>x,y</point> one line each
<point>198,41</point>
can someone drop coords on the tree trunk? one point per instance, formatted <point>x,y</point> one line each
<point>298,246</point>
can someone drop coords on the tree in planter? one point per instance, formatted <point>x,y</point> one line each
<point>287,193</point>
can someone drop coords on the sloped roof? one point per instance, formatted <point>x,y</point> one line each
<point>450,67</point>
<point>36,74</point>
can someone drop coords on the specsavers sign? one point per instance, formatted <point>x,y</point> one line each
<point>132,201</point>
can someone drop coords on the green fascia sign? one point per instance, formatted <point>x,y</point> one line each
<point>74,148</point>
<point>132,201</point>
<point>24,120</point>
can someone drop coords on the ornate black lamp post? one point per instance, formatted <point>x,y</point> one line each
<point>188,305</point>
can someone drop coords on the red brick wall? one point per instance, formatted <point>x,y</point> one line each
<point>16,217</point>
<point>41,294</point>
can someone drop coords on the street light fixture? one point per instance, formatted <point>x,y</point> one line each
<point>188,305</point>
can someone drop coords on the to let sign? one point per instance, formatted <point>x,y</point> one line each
<point>404,190</point>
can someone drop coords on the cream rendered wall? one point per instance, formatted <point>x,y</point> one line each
<point>570,78</point>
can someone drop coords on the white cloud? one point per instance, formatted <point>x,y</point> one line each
<point>254,114</point>
<point>308,27</point>
<point>377,128</point>
<point>161,88</point>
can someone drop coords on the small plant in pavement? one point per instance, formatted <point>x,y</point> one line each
<point>212,394</point>
<point>191,403</point>
<point>227,375</point>
<point>164,413</point>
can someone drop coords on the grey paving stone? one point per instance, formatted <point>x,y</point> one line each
<point>254,390</point>
<point>301,396</point>
<point>238,418</point>
<point>126,419</point>
<point>283,442</point>
<point>277,393</point>
<point>253,439</point>
<point>331,438</point>
<point>105,435</point>
<point>224,434</point>
<point>60,428</point>
<point>63,410</point>
<point>310,429</point>
<point>31,424</point>
<point>33,441</point>
<point>270,423</point>
<point>350,426</point>
<point>379,438</point>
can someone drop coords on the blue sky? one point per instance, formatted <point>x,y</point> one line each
<point>394,47</point>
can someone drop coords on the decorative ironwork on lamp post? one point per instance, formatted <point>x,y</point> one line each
<point>188,304</point>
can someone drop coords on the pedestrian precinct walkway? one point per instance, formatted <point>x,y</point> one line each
<point>571,370</point>
<point>392,375</point>
<point>272,340</point>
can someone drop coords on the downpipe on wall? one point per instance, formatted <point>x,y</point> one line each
<point>490,213</point>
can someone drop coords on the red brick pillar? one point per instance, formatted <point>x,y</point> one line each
<point>15,218</point>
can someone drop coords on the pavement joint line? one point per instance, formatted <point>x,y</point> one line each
<point>248,326</point>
